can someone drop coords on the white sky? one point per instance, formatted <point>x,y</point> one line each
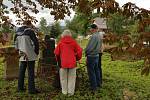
<point>42,13</point>
<point>50,19</point>
<point>140,3</point>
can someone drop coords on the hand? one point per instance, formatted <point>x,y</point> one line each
<point>25,57</point>
<point>86,61</point>
<point>79,61</point>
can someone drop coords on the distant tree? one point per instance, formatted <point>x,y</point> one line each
<point>78,24</point>
<point>43,26</point>
<point>133,30</point>
<point>55,29</point>
<point>117,23</point>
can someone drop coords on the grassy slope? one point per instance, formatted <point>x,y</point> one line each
<point>119,78</point>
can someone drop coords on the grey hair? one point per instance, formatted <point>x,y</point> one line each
<point>66,33</point>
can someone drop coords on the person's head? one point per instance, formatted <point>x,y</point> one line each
<point>27,23</point>
<point>66,33</point>
<point>93,28</point>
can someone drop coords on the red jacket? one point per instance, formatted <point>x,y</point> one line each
<point>69,52</point>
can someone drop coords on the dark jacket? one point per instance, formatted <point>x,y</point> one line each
<point>27,42</point>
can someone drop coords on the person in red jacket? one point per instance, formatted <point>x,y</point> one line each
<point>69,52</point>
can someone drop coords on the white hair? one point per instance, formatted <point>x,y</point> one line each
<point>66,33</point>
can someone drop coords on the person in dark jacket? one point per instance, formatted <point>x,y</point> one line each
<point>69,52</point>
<point>27,44</point>
<point>92,53</point>
<point>101,32</point>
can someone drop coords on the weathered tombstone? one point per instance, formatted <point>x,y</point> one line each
<point>47,68</point>
<point>11,62</point>
<point>48,53</point>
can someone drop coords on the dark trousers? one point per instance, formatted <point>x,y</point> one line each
<point>30,66</point>
<point>100,66</point>
<point>93,71</point>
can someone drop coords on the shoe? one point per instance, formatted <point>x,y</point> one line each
<point>34,92</point>
<point>100,86</point>
<point>93,92</point>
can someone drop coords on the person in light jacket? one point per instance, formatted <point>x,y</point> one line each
<point>69,52</point>
<point>27,44</point>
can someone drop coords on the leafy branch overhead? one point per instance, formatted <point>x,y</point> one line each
<point>58,8</point>
<point>62,8</point>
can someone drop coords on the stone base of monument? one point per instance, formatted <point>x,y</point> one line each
<point>46,71</point>
<point>11,63</point>
<point>47,66</point>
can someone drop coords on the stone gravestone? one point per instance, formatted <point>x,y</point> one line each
<point>47,68</point>
<point>11,63</point>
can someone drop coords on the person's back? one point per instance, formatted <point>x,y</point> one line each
<point>27,45</point>
<point>68,52</point>
<point>94,44</point>
<point>68,48</point>
<point>101,32</point>
<point>24,43</point>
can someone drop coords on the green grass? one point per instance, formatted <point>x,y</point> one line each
<point>118,76</point>
<point>120,79</point>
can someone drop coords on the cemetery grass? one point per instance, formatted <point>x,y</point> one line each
<point>121,80</point>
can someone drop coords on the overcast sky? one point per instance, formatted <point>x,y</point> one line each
<point>45,13</point>
<point>140,3</point>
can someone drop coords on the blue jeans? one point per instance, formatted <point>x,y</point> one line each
<point>93,71</point>
<point>100,66</point>
<point>30,66</point>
